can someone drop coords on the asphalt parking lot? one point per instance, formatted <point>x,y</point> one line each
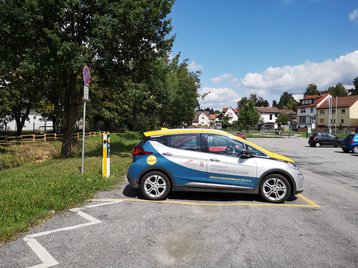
<point>116,229</point>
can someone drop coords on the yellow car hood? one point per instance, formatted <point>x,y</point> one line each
<point>281,157</point>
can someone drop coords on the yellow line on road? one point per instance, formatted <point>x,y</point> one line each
<point>309,203</point>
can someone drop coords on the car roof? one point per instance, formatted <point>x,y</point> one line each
<point>165,131</point>
<point>214,131</point>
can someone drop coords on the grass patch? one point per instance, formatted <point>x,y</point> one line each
<point>32,192</point>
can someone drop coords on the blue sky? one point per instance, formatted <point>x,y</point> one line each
<point>266,46</point>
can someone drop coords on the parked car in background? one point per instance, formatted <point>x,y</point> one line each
<point>350,143</point>
<point>241,135</point>
<point>211,161</point>
<point>322,138</point>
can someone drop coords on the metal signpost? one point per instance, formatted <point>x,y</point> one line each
<point>86,81</point>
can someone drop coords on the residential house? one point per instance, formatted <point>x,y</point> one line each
<point>344,112</point>
<point>231,114</point>
<point>201,118</point>
<point>307,110</point>
<point>268,115</point>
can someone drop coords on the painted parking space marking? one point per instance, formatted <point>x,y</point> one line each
<point>48,261</point>
<point>45,257</point>
<point>308,202</point>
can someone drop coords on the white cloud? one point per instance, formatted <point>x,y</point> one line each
<point>296,78</point>
<point>353,16</point>
<point>221,78</point>
<point>297,97</point>
<point>194,67</point>
<point>218,98</point>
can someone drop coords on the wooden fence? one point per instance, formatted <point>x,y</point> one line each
<point>42,137</point>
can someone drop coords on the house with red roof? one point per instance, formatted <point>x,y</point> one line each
<point>231,113</point>
<point>307,110</point>
<point>344,112</point>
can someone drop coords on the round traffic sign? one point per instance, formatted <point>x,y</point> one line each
<point>86,76</point>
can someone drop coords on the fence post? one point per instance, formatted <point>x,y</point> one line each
<point>21,139</point>
<point>45,137</point>
<point>33,138</point>
<point>54,135</point>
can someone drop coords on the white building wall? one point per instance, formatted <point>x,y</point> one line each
<point>265,117</point>
<point>35,122</point>
<point>203,120</point>
<point>230,113</point>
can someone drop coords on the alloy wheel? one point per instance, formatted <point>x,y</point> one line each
<point>155,186</point>
<point>274,189</point>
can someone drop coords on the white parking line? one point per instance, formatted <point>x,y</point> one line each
<point>42,253</point>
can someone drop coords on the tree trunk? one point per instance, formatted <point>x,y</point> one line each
<point>21,118</point>
<point>70,111</point>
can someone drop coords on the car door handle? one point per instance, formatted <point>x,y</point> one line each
<point>168,154</point>
<point>215,160</point>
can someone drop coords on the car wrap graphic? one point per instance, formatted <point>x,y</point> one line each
<point>197,166</point>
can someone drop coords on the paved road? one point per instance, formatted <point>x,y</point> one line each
<point>216,230</point>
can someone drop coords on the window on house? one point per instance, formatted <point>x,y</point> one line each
<point>342,120</point>
<point>343,111</point>
<point>333,111</point>
<point>34,117</point>
<point>321,121</point>
<point>321,112</point>
<point>303,111</point>
<point>312,109</point>
<point>270,116</point>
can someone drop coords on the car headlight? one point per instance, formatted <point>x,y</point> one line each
<point>293,165</point>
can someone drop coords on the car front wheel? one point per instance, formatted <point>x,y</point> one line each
<point>317,144</point>
<point>155,186</point>
<point>275,188</point>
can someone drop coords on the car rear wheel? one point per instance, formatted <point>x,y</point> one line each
<point>355,149</point>
<point>155,186</point>
<point>345,150</point>
<point>275,188</point>
<point>318,144</point>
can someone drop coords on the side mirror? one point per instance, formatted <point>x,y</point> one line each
<point>245,154</point>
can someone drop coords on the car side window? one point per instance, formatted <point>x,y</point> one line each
<point>185,142</point>
<point>218,144</point>
<point>161,139</point>
<point>254,151</point>
<point>332,137</point>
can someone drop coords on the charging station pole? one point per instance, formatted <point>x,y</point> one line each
<point>106,161</point>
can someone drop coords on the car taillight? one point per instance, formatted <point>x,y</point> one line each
<point>351,141</point>
<point>139,150</point>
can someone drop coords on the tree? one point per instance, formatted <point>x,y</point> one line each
<point>260,102</point>
<point>287,101</point>
<point>249,117</point>
<point>283,118</point>
<point>311,90</point>
<point>121,41</point>
<point>257,100</point>
<point>242,102</point>
<point>274,103</point>
<point>354,91</point>
<point>338,90</point>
